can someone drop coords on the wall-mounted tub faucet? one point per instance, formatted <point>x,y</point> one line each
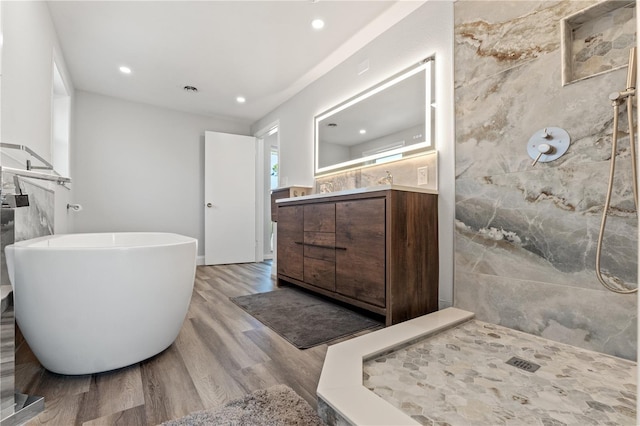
<point>18,199</point>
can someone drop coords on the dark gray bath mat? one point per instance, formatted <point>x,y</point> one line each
<point>302,318</point>
<point>279,405</point>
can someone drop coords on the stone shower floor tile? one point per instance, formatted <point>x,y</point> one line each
<point>460,377</point>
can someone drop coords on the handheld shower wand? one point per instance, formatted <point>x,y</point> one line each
<point>617,99</point>
<point>631,71</point>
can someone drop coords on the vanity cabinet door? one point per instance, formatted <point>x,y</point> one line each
<point>290,239</point>
<point>320,217</point>
<point>360,250</point>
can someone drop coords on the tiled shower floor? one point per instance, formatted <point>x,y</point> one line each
<point>460,377</point>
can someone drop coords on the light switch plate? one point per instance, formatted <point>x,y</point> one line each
<point>423,175</point>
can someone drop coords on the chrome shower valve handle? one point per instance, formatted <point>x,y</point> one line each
<point>544,149</point>
<point>548,144</point>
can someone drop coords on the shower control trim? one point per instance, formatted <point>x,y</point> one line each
<point>548,144</point>
<point>618,98</point>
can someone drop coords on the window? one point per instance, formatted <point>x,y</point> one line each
<point>60,123</point>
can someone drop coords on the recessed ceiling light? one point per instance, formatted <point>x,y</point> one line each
<point>317,24</point>
<point>241,99</point>
<point>125,70</point>
<point>363,131</point>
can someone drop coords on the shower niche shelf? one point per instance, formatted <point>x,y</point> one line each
<point>597,40</point>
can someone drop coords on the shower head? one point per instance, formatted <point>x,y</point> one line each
<point>631,71</point>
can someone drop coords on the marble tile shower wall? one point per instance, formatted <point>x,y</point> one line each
<point>526,236</point>
<point>33,221</point>
<point>24,223</point>
<point>37,219</point>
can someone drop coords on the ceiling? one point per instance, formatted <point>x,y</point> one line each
<point>265,51</point>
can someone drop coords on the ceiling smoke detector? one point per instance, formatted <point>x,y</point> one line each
<point>190,89</point>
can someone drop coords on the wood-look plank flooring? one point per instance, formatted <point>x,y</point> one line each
<point>221,353</point>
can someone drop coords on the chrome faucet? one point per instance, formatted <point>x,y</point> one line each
<point>388,179</point>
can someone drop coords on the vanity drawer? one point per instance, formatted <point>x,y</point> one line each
<point>320,273</point>
<point>320,245</point>
<point>320,217</point>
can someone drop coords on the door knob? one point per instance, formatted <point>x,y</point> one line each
<point>209,205</point>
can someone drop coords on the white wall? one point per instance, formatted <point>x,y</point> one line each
<point>140,168</point>
<point>427,31</point>
<point>30,44</point>
<point>333,154</point>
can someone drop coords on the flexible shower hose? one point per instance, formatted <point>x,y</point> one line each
<point>612,168</point>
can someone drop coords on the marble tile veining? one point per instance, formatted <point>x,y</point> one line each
<point>37,219</point>
<point>526,235</point>
<point>606,322</point>
<point>492,37</point>
<point>460,377</point>
<point>403,172</point>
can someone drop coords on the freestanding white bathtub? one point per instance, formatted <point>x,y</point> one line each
<point>88,303</point>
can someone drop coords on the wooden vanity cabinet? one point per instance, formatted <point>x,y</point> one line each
<point>376,250</point>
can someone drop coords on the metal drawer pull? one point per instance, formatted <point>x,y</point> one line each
<point>319,245</point>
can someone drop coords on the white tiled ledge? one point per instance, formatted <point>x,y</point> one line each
<point>361,191</point>
<point>340,384</point>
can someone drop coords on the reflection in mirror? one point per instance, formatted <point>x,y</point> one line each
<point>388,122</point>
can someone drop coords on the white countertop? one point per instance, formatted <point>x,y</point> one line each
<point>361,191</point>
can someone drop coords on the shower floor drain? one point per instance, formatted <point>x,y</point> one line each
<point>523,364</point>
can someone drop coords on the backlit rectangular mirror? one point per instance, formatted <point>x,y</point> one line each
<point>390,121</point>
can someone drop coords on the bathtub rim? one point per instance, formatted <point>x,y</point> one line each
<point>340,385</point>
<point>35,243</point>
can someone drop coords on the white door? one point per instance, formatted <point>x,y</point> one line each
<point>230,198</point>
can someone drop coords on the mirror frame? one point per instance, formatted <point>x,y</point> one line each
<point>425,65</point>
